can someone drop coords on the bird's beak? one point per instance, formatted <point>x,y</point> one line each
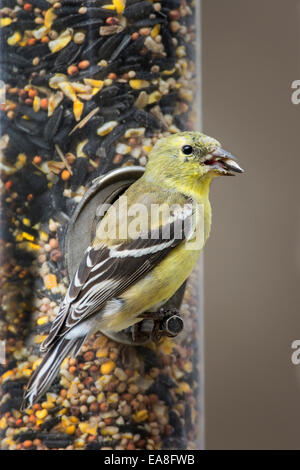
<point>223,162</point>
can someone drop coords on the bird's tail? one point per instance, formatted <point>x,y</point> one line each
<point>44,375</point>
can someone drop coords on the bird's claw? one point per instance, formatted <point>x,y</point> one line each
<point>166,322</point>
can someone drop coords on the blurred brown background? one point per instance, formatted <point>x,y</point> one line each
<point>251,55</point>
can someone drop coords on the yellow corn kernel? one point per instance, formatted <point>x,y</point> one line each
<point>50,281</point>
<point>109,7</point>
<point>95,90</point>
<point>36,364</point>
<point>78,109</point>
<point>79,443</point>
<point>70,429</point>
<point>102,353</point>
<point>83,427</point>
<point>184,387</point>
<point>43,236</point>
<point>49,18</point>
<point>87,428</point>
<point>5,22</point>
<point>140,416</point>
<point>155,31</point>
<point>40,32</point>
<point>36,103</point>
<point>27,236</point>
<point>169,72</point>
<point>42,320</point>
<point>47,405</point>
<point>80,87</point>
<point>109,430</point>
<point>27,372</point>
<point>94,83</point>
<point>79,149</point>
<point>137,84</point>
<point>68,90</point>
<point>153,97</point>
<point>180,51</point>
<point>74,419</point>
<point>33,246</point>
<point>107,367</point>
<point>62,41</point>
<point>39,339</point>
<point>41,414</point>
<point>6,375</point>
<point>119,5</point>
<point>106,128</point>
<point>3,423</point>
<point>14,39</point>
<point>57,79</point>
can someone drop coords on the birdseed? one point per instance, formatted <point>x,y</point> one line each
<point>89,86</point>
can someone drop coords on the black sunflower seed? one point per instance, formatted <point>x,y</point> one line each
<point>147,119</point>
<point>95,122</point>
<point>53,124</point>
<point>126,115</point>
<point>80,171</point>
<point>146,75</point>
<point>42,4</point>
<point>92,72</point>
<point>39,116</point>
<point>67,55</point>
<point>128,67</point>
<point>149,22</point>
<point>107,48</point>
<point>89,23</point>
<point>15,59</point>
<point>90,49</point>
<point>37,50</point>
<point>69,20</point>
<point>20,141</point>
<point>94,12</point>
<point>108,93</point>
<point>123,44</point>
<point>24,25</point>
<point>66,10</point>
<point>50,423</point>
<point>138,10</point>
<point>167,41</point>
<point>172,4</point>
<point>110,114</point>
<point>56,440</point>
<point>135,47</point>
<point>39,142</point>
<point>114,135</point>
<point>26,435</point>
<point>27,126</point>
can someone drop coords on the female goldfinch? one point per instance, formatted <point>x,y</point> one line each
<point>121,276</point>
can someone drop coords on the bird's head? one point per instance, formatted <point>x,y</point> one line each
<point>189,157</point>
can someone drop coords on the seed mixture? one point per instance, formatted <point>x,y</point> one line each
<point>87,86</point>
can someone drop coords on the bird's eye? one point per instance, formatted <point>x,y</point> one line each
<point>187,150</point>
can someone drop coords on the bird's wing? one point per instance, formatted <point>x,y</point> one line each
<point>107,271</point>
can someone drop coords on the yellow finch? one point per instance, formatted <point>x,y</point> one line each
<point>121,276</point>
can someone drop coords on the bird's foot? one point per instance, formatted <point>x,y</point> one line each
<point>166,322</point>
